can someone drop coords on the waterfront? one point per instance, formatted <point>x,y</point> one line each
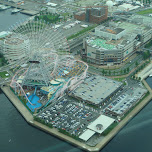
<point>149,81</point>
<point>7,19</point>
<point>17,135</point>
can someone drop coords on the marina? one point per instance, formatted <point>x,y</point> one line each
<point>3,7</point>
<point>15,10</point>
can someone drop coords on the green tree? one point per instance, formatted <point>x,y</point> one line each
<point>114,72</point>
<point>109,72</point>
<point>121,71</point>
<point>128,69</point>
<point>133,76</point>
<point>136,63</point>
<point>146,55</point>
<point>103,71</point>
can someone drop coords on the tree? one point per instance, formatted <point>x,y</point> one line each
<point>121,71</point>
<point>114,72</point>
<point>146,55</point>
<point>128,69</point>
<point>103,71</point>
<point>124,70</point>
<point>133,76</point>
<point>109,72</point>
<point>139,78</point>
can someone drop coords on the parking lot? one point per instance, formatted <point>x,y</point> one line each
<point>125,101</point>
<point>72,27</point>
<point>69,115</point>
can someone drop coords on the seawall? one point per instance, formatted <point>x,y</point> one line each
<point>29,118</point>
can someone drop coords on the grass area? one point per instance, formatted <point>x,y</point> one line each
<point>119,79</point>
<point>148,11</point>
<point>81,32</point>
<point>3,61</point>
<point>149,44</point>
<point>50,18</point>
<point>68,134</point>
<point>22,99</point>
<point>2,74</point>
<point>65,14</point>
<point>43,122</point>
<point>109,129</point>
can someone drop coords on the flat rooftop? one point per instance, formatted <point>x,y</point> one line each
<point>80,13</point>
<point>146,19</point>
<point>105,121</point>
<point>125,101</point>
<point>98,42</point>
<point>87,135</point>
<point>112,30</point>
<point>130,27</point>
<point>96,89</point>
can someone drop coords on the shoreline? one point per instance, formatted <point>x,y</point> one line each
<point>53,131</point>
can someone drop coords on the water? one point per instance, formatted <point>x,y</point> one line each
<point>17,136</point>
<point>7,19</point>
<point>149,81</point>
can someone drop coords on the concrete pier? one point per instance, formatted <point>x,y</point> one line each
<point>29,12</point>
<point>24,8</point>
<point>29,118</point>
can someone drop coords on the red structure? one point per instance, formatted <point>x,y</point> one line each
<point>95,14</point>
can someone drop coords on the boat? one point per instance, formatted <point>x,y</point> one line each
<point>15,10</point>
<point>3,7</point>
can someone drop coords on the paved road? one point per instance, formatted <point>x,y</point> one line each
<point>131,65</point>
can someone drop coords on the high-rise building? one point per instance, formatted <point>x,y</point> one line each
<point>93,14</point>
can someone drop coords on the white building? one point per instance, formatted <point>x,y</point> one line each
<point>115,43</point>
<point>51,9</point>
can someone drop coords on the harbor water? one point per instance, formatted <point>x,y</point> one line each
<point>16,135</point>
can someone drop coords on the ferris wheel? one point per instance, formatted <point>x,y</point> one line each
<point>34,38</point>
<point>45,51</point>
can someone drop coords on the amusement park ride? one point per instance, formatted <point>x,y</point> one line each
<point>50,71</point>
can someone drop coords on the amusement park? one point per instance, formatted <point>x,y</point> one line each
<point>59,92</point>
<point>48,71</point>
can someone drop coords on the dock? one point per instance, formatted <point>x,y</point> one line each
<point>25,10</point>
<point>29,12</point>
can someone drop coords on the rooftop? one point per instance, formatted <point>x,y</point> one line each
<point>102,119</point>
<point>98,42</point>
<point>113,30</point>
<point>146,19</point>
<point>86,135</point>
<point>125,101</point>
<point>96,89</point>
<point>131,27</point>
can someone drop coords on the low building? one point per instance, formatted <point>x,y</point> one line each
<point>98,126</point>
<point>103,121</point>
<point>96,89</point>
